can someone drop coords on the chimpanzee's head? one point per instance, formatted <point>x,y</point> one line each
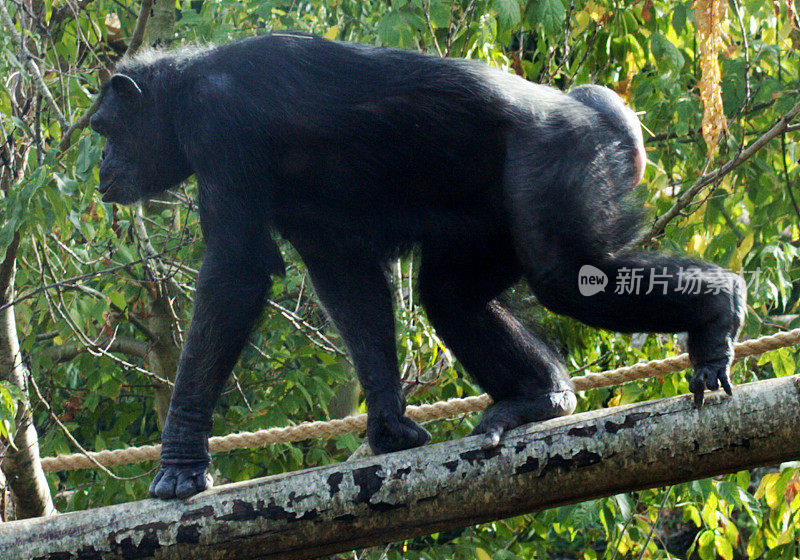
<point>141,157</point>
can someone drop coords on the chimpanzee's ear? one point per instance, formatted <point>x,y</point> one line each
<point>126,87</point>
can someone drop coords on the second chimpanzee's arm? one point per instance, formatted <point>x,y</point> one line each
<point>231,290</point>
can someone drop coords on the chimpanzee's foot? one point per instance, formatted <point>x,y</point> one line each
<point>509,413</point>
<point>180,481</point>
<point>387,429</point>
<point>711,348</point>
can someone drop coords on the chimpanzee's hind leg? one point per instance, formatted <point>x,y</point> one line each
<point>571,221</point>
<point>651,293</point>
<point>356,295</point>
<point>523,375</point>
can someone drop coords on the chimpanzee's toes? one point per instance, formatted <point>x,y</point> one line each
<point>180,481</point>
<point>710,375</point>
<point>388,431</point>
<point>507,414</point>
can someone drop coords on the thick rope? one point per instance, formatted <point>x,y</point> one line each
<point>420,413</point>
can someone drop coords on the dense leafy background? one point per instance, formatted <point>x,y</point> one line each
<point>295,368</point>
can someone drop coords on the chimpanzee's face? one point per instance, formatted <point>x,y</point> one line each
<point>141,156</point>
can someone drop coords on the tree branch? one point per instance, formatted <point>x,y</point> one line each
<point>706,179</point>
<point>123,345</point>
<point>38,81</point>
<point>141,24</point>
<point>372,501</point>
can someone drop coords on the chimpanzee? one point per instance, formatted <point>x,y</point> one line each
<point>354,154</point>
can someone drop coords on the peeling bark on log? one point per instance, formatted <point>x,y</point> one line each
<point>454,484</point>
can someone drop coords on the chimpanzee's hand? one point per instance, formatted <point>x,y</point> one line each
<point>387,429</point>
<point>180,481</point>
<point>710,375</point>
<point>711,347</point>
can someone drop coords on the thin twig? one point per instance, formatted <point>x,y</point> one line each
<point>427,11</point>
<point>67,433</point>
<point>655,524</point>
<point>69,350</point>
<point>80,124</point>
<point>747,93</point>
<point>304,325</point>
<point>86,276</point>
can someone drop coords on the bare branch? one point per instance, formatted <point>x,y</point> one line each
<point>374,501</point>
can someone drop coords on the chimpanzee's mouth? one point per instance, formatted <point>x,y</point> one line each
<point>105,187</point>
<point>115,191</point>
<point>119,195</point>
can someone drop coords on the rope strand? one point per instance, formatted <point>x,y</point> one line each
<point>420,413</point>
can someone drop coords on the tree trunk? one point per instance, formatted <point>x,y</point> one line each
<point>21,466</point>
<point>166,351</point>
<point>161,25</point>
<point>454,484</point>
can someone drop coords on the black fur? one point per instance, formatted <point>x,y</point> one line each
<point>355,153</point>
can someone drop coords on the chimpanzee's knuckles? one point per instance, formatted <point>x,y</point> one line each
<point>389,432</point>
<point>180,481</point>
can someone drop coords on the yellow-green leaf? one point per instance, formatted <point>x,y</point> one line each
<point>332,32</point>
<point>741,252</point>
<point>723,547</point>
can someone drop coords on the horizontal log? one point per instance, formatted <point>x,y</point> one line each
<point>444,486</point>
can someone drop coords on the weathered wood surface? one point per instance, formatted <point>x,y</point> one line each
<point>454,484</point>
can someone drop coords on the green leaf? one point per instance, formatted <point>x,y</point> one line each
<point>549,13</point>
<point>667,56</point>
<point>393,30</point>
<point>728,491</point>
<point>84,160</point>
<point>117,299</point>
<point>7,234</point>
<point>440,14</point>
<point>706,548</point>
<point>508,13</point>
<point>679,18</point>
<point>755,545</point>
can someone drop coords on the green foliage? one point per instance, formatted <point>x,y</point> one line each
<point>10,397</point>
<point>100,287</point>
